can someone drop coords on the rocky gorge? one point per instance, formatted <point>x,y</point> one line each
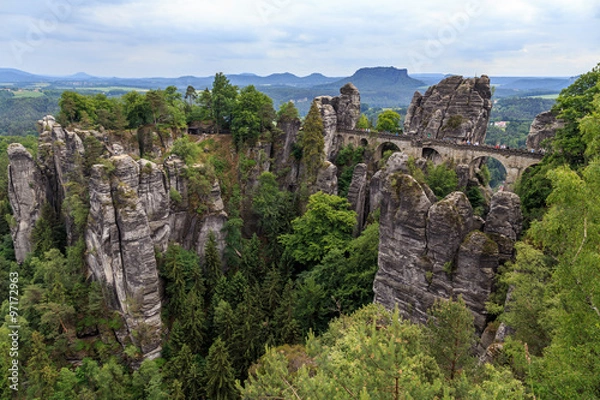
<point>429,248</point>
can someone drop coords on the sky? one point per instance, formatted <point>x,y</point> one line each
<point>171,38</point>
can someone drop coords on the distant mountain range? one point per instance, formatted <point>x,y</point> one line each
<point>379,86</point>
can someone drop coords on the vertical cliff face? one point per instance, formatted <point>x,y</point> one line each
<point>338,113</point>
<point>26,195</point>
<point>188,228</point>
<point>456,108</point>
<point>121,250</point>
<point>543,127</point>
<point>358,195</point>
<point>430,250</point>
<point>131,214</point>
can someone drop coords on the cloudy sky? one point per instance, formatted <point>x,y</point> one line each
<point>135,38</point>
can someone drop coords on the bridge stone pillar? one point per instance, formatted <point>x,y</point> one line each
<point>512,175</point>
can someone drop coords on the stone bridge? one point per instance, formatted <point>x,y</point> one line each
<point>515,161</point>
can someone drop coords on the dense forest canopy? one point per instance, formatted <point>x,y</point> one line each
<point>288,314</point>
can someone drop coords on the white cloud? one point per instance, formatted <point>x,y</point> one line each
<point>178,37</point>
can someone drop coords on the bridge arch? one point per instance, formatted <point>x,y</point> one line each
<point>364,142</point>
<point>386,146</point>
<point>498,171</point>
<point>431,154</point>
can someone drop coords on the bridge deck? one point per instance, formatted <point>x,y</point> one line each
<point>426,142</point>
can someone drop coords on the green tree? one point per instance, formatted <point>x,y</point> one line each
<point>186,370</point>
<point>287,112</point>
<point>363,122</point>
<point>212,263</point>
<point>137,109</point>
<point>452,334</point>
<point>274,208</point>
<point>312,143</point>
<point>253,114</point>
<point>530,279</point>
<point>327,224</point>
<point>190,95</point>
<point>441,179</point>
<point>219,376</point>
<point>570,233</point>
<point>221,101</point>
<point>388,121</point>
<point>41,374</point>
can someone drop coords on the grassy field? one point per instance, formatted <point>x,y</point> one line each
<point>104,88</point>
<point>27,93</point>
<point>546,96</point>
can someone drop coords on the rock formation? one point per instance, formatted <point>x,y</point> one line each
<point>338,113</point>
<point>357,195</point>
<point>135,208</point>
<point>504,222</point>
<point>543,127</point>
<point>26,195</point>
<point>456,109</point>
<point>430,250</point>
<point>121,250</point>
<point>327,179</point>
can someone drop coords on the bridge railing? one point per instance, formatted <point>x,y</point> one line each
<point>425,142</point>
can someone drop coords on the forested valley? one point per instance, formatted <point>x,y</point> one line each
<point>277,303</point>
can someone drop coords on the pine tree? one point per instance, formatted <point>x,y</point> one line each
<point>41,374</point>
<point>193,321</point>
<point>219,376</point>
<point>212,263</point>
<point>452,334</point>
<point>286,325</point>
<point>312,143</point>
<point>185,369</point>
<point>224,320</point>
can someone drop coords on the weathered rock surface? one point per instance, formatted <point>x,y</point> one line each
<point>401,277</point>
<point>429,250</point>
<point>543,127</point>
<point>448,222</point>
<point>152,191</point>
<point>348,107</point>
<point>476,265</point>
<point>121,250</point>
<point>135,208</point>
<point>327,179</point>
<point>357,195</point>
<point>340,112</point>
<point>285,142</point>
<point>26,196</point>
<point>188,228</point>
<point>456,109</point>
<point>398,162</point>
<point>59,156</point>
<point>504,222</point>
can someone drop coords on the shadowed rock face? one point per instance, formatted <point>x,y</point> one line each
<point>504,222</point>
<point>357,195</point>
<point>430,250</point>
<point>543,127</point>
<point>121,250</point>
<point>26,196</point>
<point>456,108</point>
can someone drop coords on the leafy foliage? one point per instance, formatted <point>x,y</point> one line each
<point>326,225</point>
<point>388,121</point>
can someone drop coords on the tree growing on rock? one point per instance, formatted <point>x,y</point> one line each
<point>312,143</point>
